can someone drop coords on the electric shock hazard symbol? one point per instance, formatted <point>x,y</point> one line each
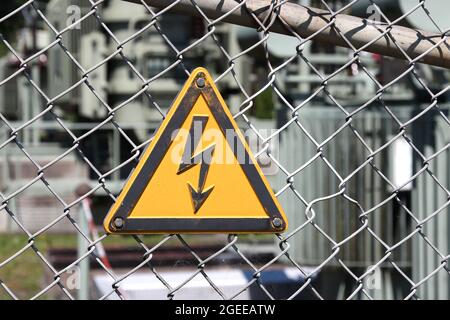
<point>197,175</point>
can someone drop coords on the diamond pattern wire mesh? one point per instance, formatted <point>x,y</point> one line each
<point>284,241</point>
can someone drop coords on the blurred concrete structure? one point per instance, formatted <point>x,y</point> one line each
<point>115,81</point>
<point>417,19</point>
<point>19,102</point>
<point>338,217</point>
<point>145,286</point>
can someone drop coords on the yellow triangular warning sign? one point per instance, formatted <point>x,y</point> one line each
<point>197,175</point>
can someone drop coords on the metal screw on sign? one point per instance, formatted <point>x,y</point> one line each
<point>277,222</point>
<point>201,81</point>
<point>118,223</point>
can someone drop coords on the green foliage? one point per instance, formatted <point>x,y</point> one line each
<point>25,275</point>
<point>9,27</point>
<point>264,106</point>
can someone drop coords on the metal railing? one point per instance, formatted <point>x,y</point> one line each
<point>336,179</point>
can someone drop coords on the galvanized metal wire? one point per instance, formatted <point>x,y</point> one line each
<point>311,220</point>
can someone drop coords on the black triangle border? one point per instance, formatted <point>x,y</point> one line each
<point>274,222</point>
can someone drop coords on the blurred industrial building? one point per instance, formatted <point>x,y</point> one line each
<point>115,83</point>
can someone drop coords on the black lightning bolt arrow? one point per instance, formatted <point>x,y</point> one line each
<point>188,160</point>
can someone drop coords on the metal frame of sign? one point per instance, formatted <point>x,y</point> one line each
<point>275,221</point>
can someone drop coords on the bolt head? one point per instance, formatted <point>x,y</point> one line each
<point>277,222</point>
<point>201,82</point>
<point>118,223</point>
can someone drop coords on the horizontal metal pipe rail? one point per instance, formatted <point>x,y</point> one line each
<point>384,39</point>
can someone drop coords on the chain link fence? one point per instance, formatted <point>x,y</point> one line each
<point>362,139</point>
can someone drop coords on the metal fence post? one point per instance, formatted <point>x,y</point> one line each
<point>83,290</point>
